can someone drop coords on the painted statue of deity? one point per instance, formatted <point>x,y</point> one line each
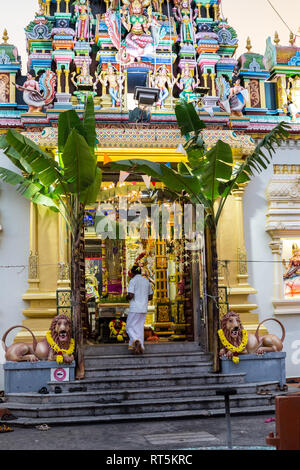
<point>84,83</point>
<point>233,99</point>
<point>38,94</point>
<point>293,95</point>
<point>114,80</point>
<point>4,88</point>
<point>162,79</point>
<point>42,7</point>
<point>183,13</point>
<point>143,30</point>
<point>187,83</point>
<point>292,274</point>
<point>83,20</point>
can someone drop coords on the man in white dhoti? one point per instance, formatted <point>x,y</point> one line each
<point>139,293</point>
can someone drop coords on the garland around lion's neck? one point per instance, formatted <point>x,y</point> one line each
<point>60,351</point>
<point>234,349</point>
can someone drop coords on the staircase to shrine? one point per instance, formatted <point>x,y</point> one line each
<point>172,380</point>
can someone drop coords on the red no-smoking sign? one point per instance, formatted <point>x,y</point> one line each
<point>59,375</point>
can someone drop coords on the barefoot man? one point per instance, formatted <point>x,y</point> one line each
<point>139,293</point>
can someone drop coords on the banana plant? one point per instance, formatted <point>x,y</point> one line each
<point>208,177</point>
<point>65,184</point>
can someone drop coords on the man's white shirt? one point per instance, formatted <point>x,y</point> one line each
<point>141,288</point>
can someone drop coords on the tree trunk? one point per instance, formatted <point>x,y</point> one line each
<point>76,294</point>
<point>212,293</point>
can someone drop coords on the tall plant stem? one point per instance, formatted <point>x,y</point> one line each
<point>212,291</point>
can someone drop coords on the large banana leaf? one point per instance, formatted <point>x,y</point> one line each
<point>31,157</point>
<point>78,162</point>
<point>13,155</point>
<point>89,124</point>
<point>70,120</point>
<point>27,188</point>
<point>215,168</point>
<point>188,119</point>
<point>258,160</point>
<point>254,163</point>
<point>89,196</point>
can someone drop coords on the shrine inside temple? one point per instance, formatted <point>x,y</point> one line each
<point>159,246</point>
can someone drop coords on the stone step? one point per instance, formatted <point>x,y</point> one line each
<point>81,420</point>
<point>134,394</point>
<point>146,381</point>
<point>122,349</point>
<point>128,407</point>
<point>146,359</point>
<point>135,370</point>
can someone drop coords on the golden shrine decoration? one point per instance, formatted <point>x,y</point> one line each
<point>117,330</point>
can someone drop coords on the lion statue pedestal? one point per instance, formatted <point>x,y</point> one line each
<point>30,377</point>
<point>30,367</point>
<point>260,358</point>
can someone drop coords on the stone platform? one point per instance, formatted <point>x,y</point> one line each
<point>257,368</point>
<point>25,377</point>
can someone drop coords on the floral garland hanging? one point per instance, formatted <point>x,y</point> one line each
<point>60,351</point>
<point>234,349</point>
<point>117,331</point>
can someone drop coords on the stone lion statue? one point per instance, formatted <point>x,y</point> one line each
<point>234,334</point>
<point>57,345</point>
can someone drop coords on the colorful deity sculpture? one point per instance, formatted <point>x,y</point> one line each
<point>38,94</point>
<point>84,83</point>
<point>42,7</point>
<point>293,96</point>
<point>162,79</point>
<point>83,20</point>
<point>233,99</point>
<point>292,274</point>
<point>187,83</point>
<point>183,13</point>
<point>143,30</point>
<point>114,80</point>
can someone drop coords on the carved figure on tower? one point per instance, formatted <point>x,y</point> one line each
<point>42,7</point>
<point>84,83</point>
<point>143,30</point>
<point>38,94</point>
<point>83,20</point>
<point>187,83</point>
<point>292,273</point>
<point>183,13</point>
<point>114,80</point>
<point>293,96</point>
<point>233,99</point>
<point>162,79</point>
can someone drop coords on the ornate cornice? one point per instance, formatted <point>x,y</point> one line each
<point>156,138</point>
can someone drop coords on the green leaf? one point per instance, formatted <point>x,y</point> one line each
<point>91,194</point>
<point>39,162</point>
<point>89,124</point>
<point>257,161</point>
<point>79,163</point>
<point>188,119</point>
<point>68,121</point>
<point>44,200</point>
<point>216,168</point>
<point>27,189</point>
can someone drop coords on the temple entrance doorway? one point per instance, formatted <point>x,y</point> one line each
<point>118,237</point>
